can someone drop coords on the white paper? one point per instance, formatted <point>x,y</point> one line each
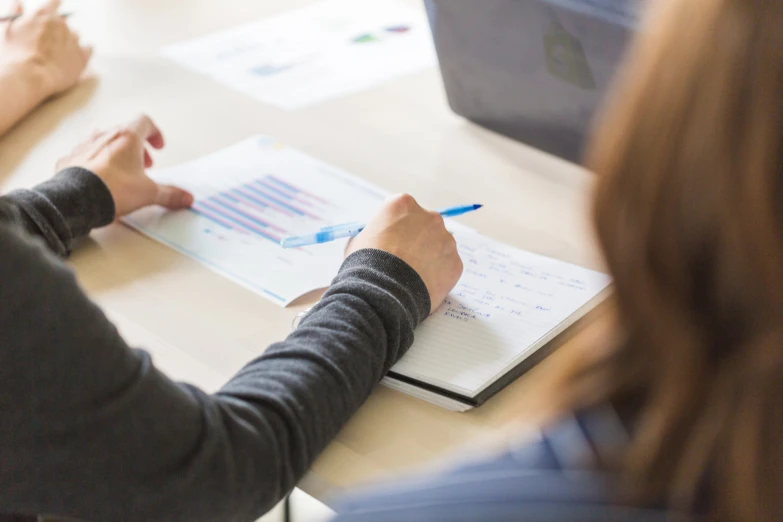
<point>323,51</point>
<point>248,197</point>
<point>505,302</point>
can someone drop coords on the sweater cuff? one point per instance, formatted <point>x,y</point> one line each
<point>68,206</point>
<point>404,282</point>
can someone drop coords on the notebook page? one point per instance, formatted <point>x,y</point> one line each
<point>506,300</point>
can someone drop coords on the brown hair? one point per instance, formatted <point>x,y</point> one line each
<point>688,210</point>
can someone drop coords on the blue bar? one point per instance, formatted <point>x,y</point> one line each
<point>251,198</point>
<point>273,189</point>
<point>284,184</point>
<point>237,211</point>
<point>244,227</point>
<point>210,218</point>
<point>276,201</point>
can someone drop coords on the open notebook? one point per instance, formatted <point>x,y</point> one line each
<point>492,327</point>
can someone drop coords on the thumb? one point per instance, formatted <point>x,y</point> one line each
<point>49,8</point>
<point>173,198</point>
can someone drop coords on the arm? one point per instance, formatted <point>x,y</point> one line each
<point>565,474</point>
<point>91,429</point>
<point>39,57</point>
<point>17,83</point>
<point>61,210</point>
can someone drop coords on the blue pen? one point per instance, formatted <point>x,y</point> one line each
<point>333,232</point>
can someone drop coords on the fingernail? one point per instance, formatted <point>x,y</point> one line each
<point>187,199</point>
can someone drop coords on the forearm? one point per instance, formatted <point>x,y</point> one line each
<point>302,391</point>
<point>60,210</point>
<point>86,417</point>
<point>20,91</point>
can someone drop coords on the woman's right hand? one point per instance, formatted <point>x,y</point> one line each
<point>418,237</point>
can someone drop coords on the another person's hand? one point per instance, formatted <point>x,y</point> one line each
<point>119,157</point>
<point>418,237</point>
<point>42,49</point>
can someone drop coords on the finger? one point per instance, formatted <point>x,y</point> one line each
<point>156,138</point>
<point>173,197</point>
<point>49,8</point>
<point>146,129</point>
<point>147,159</point>
<point>402,204</point>
<point>15,10</point>
<point>94,135</point>
<point>86,54</point>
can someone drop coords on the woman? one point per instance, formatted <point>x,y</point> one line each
<point>682,418</point>
<point>90,429</point>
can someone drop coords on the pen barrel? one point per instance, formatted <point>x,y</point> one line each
<point>334,232</point>
<point>324,236</point>
<point>458,211</point>
<point>355,224</point>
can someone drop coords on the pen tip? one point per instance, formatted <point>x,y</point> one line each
<point>477,206</point>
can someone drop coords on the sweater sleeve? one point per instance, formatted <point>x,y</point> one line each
<point>92,430</point>
<point>61,210</point>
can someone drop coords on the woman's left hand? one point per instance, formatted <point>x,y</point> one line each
<point>119,157</point>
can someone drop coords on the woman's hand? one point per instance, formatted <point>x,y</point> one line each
<point>42,49</point>
<point>418,237</point>
<point>119,157</point>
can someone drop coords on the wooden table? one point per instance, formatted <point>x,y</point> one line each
<point>401,136</point>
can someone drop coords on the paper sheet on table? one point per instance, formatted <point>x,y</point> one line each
<point>323,51</point>
<point>248,197</point>
<point>506,301</point>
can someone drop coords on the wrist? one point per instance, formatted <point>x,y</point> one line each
<point>22,83</point>
<point>26,83</point>
<point>391,274</point>
<point>81,197</point>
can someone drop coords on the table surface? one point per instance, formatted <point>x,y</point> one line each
<point>401,136</point>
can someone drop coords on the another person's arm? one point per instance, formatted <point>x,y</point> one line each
<point>565,475</point>
<point>90,429</point>
<point>39,57</point>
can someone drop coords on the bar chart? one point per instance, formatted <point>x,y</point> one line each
<point>255,208</point>
<point>247,198</point>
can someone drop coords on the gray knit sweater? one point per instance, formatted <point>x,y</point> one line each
<point>90,429</point>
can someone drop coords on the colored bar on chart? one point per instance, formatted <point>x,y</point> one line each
<point>260,206</point>
<point>226,203</point>
<point>247,197</point>
<point>229,197</point>
<point>302,212</point>
<point>296,190</point>
<point>247,225</point>
<point>287,193</point>
<point>215,219</point>
<point>272,202</point>
<point>271,188</point>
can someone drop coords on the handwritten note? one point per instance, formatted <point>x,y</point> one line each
<point>506,302</point>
